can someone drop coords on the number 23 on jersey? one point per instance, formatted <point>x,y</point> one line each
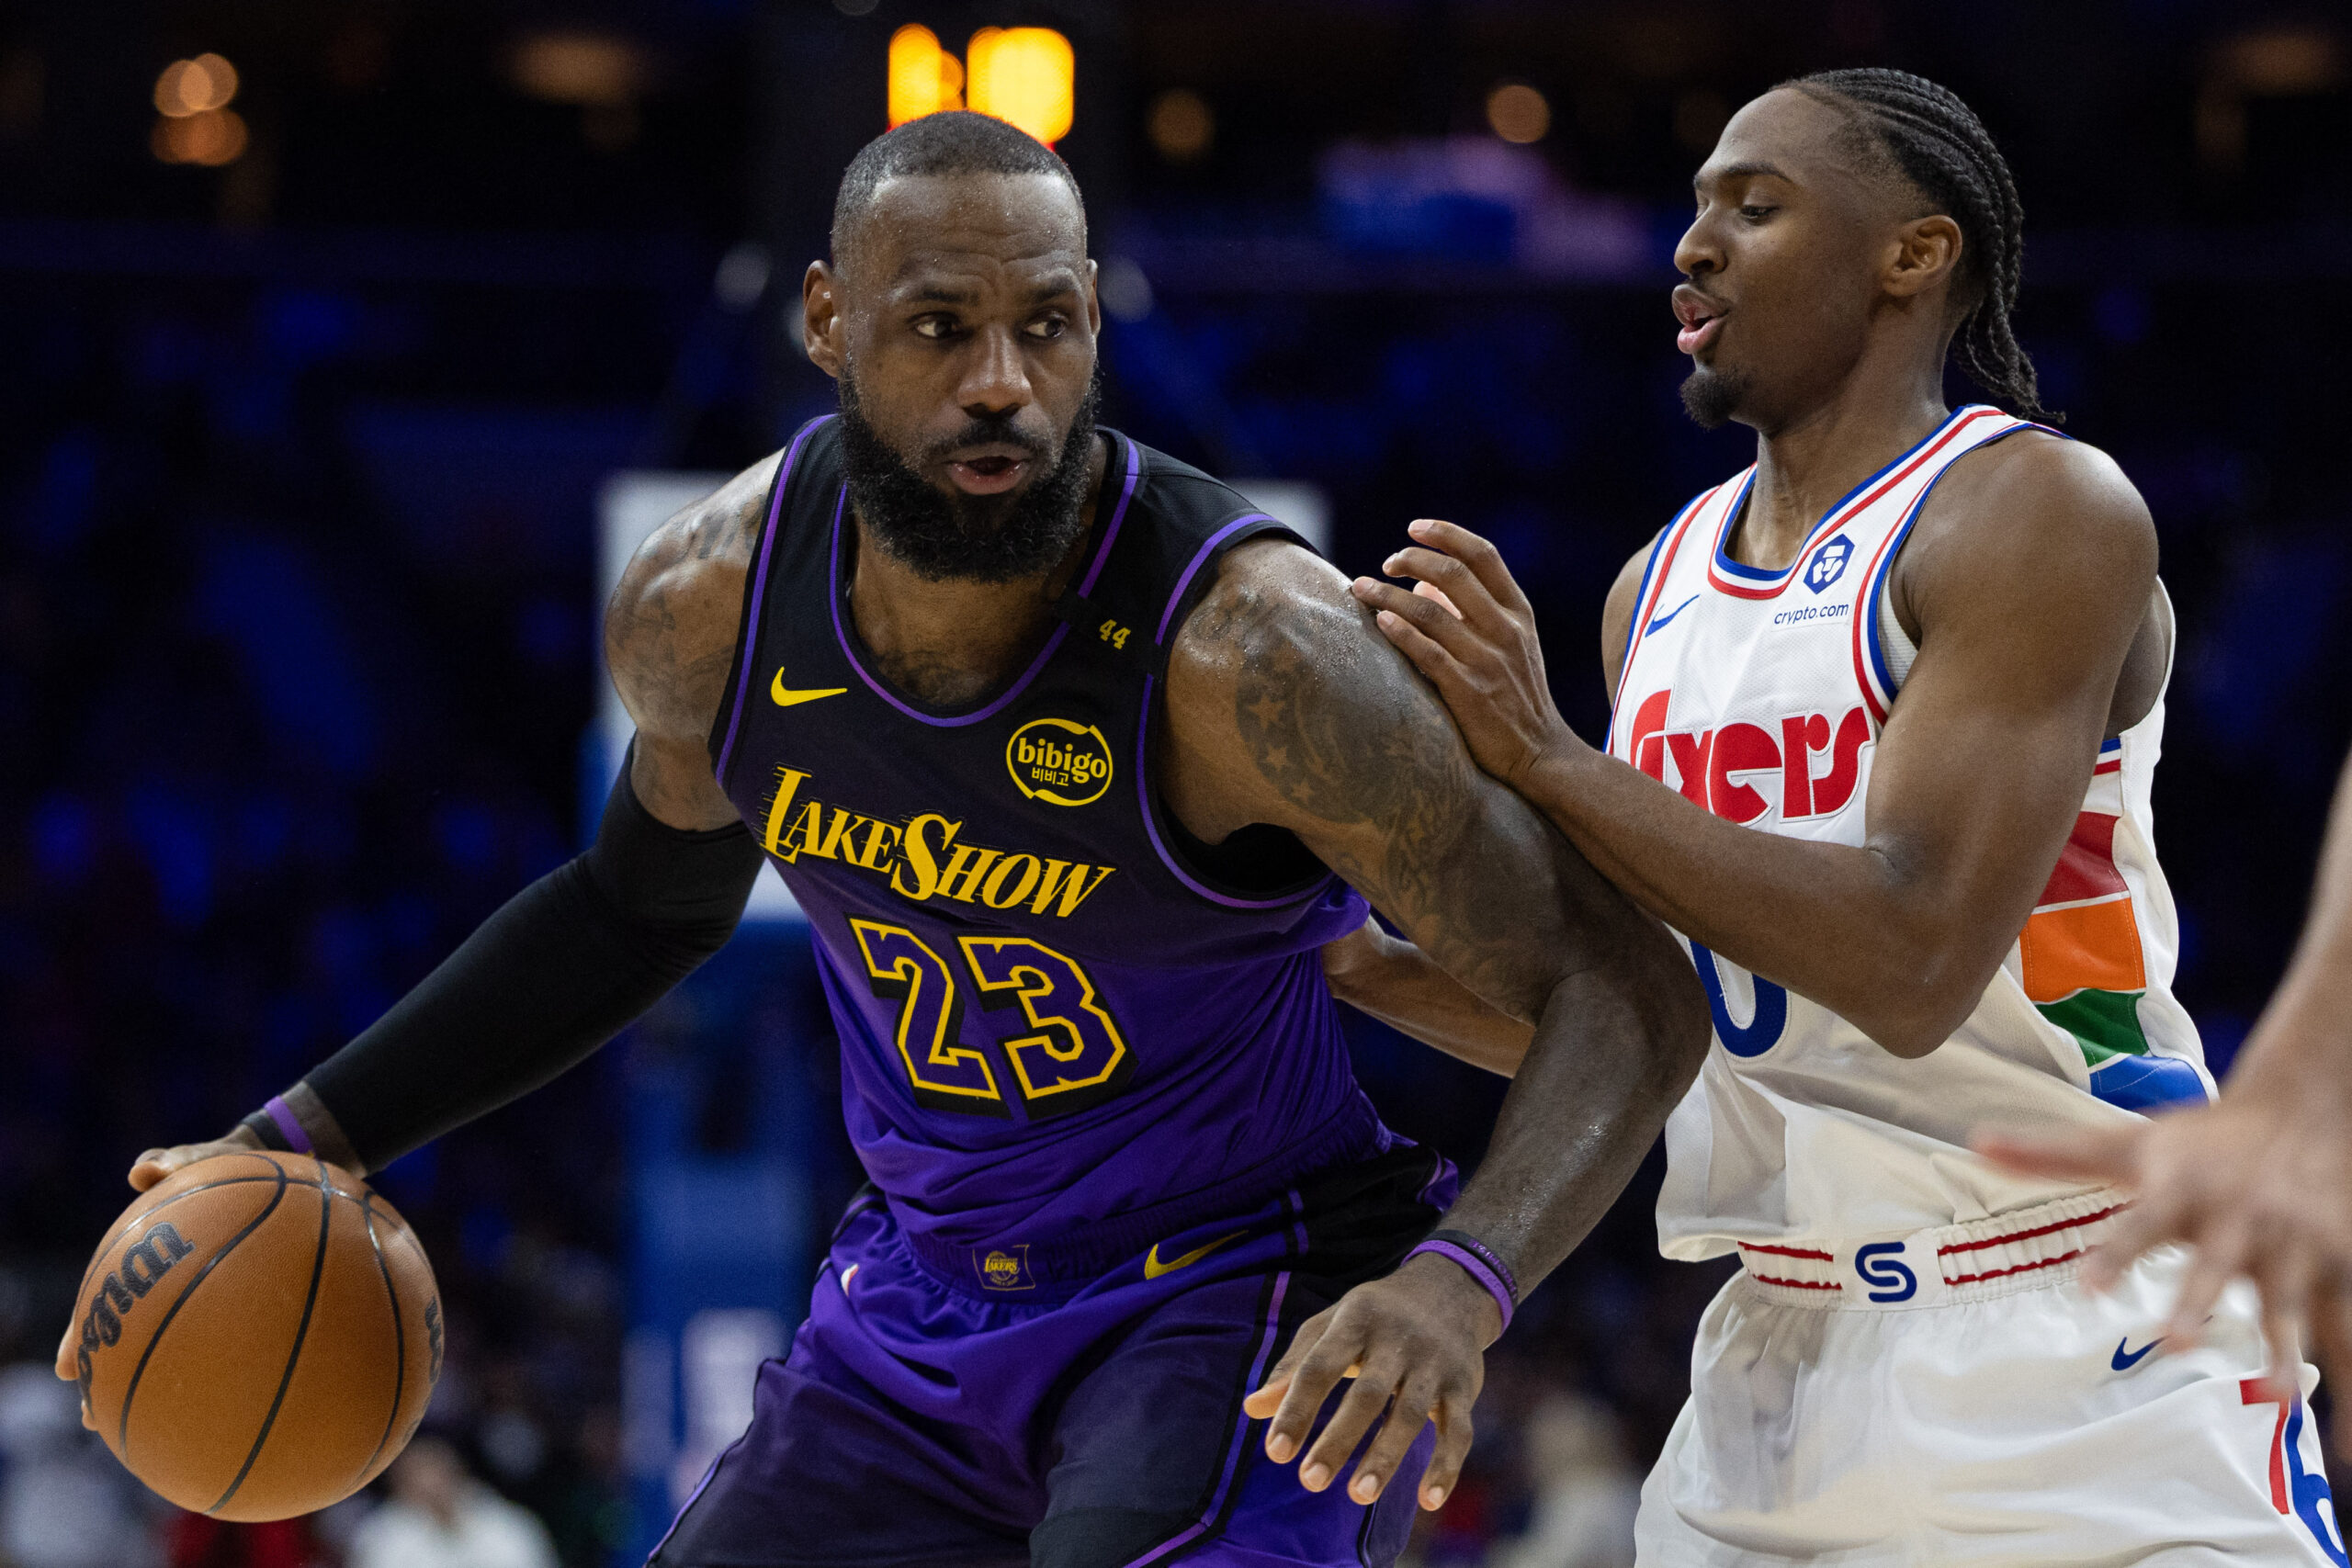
<point>1065,1050</point>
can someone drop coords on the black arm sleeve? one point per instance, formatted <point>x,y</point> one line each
<point>562,968</point>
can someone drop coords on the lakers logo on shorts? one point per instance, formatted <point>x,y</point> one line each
<point>1004,1268</point>
<point>1059,762</point>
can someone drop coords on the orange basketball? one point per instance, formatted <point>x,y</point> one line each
<point>259,1334</point>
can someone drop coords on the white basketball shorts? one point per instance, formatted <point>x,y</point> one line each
<point>1957,1397</point>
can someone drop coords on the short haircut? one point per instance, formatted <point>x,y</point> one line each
<point>956,143</point>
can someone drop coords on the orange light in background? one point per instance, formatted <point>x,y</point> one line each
<point>208,138</point>
<point>589,69</point>
<point>1182,125</point>
<point>1517,112</point>
<point>195,87</point>
<point>1025,76</point>
<point>924,78</point>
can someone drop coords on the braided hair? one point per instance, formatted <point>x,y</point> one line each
<point>1939,145</point>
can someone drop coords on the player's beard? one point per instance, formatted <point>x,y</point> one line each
<point>979,538</point>
<point>1711,397</point>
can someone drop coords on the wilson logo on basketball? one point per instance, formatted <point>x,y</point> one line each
<point>288,1356</point>
<point>143,1265</point>
<point>1059,763</point>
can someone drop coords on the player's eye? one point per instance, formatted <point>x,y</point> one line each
<point>1754,213</point>
<point>936,327</point>
<point>1048,327</point>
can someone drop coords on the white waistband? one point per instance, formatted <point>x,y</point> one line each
<point>2020,1250</point>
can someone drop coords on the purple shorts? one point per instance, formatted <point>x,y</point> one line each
<point>924,1417</point>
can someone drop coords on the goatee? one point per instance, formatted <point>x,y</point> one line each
<point>1712,397</point>
<point>981,538</point>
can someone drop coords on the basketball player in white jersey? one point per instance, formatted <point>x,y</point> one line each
<point>1887,708</point>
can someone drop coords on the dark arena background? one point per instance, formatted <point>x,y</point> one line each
<point>345,343</point>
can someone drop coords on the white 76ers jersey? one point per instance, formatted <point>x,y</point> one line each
<point>1761,696</point>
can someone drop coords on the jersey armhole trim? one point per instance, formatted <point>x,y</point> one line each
<point>1240,530</point>
<point>1147,802</point>
<point>738,669</point>
<point>1876,676</point>
<point>1654,576</point>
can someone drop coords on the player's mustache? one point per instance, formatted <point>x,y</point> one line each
<point>988,431</point>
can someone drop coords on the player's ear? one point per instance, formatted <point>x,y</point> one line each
<point>1927,253</point>
<point>1094,297</point>
<point>821,327</point>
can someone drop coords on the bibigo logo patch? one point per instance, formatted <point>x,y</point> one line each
<point>1056,761</point>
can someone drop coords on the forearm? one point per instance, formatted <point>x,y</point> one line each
<point>1613,1053</point>
<point>562,968</point>
<point>530,995</point>
<point>1404,989</point>
<point>1832,922</point>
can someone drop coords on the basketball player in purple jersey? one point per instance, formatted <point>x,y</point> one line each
<point>1075,761</point>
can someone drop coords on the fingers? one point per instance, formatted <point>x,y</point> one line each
<point>1469,598</point>
<point>1268,1396</point>
<point>151,1168</point>
<point>1301,1382</point>
<point>2219,1259</point>
<point>156,1164</point>
<point>1436,595</point>
<point>1361,1406</point>
<point>1484,561</point>
<point>1431,658</point>
<point>1439,623</point>
<point>1452,1448</point>
<point>2285,1284</point>
<point>2102,1156</point>
<point>1408,1414</point>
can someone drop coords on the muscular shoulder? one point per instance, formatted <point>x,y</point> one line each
<point>1282,700</point>
<point>1271,601</point>
<point>670,629</point>
<point>2033,511</point>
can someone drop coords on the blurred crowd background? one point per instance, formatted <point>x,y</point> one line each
<point>324,326</point>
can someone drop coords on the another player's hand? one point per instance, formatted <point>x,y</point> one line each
<point>2260,1184</point>
<point>1469,628</point>
<point>1415,1344</point>
<point>145,1171</point>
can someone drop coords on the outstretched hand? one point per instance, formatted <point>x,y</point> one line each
<point>1415,1343</point>
<point>2257,1184</point>
<point>1469,628</point>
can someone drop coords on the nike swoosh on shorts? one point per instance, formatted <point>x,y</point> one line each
<point>1153,1268</point>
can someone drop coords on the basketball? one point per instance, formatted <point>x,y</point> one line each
<point>259,1335</point>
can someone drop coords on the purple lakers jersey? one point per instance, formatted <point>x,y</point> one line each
<point>1067,1028</point>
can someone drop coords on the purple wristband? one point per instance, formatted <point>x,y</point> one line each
<point>279,1111</point>
<point>1475,1266</point>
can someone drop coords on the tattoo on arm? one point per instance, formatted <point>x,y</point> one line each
<point>1361,750</point>
<point>1335,738</point>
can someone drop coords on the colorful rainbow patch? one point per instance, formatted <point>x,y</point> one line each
<point>2085,971</point>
